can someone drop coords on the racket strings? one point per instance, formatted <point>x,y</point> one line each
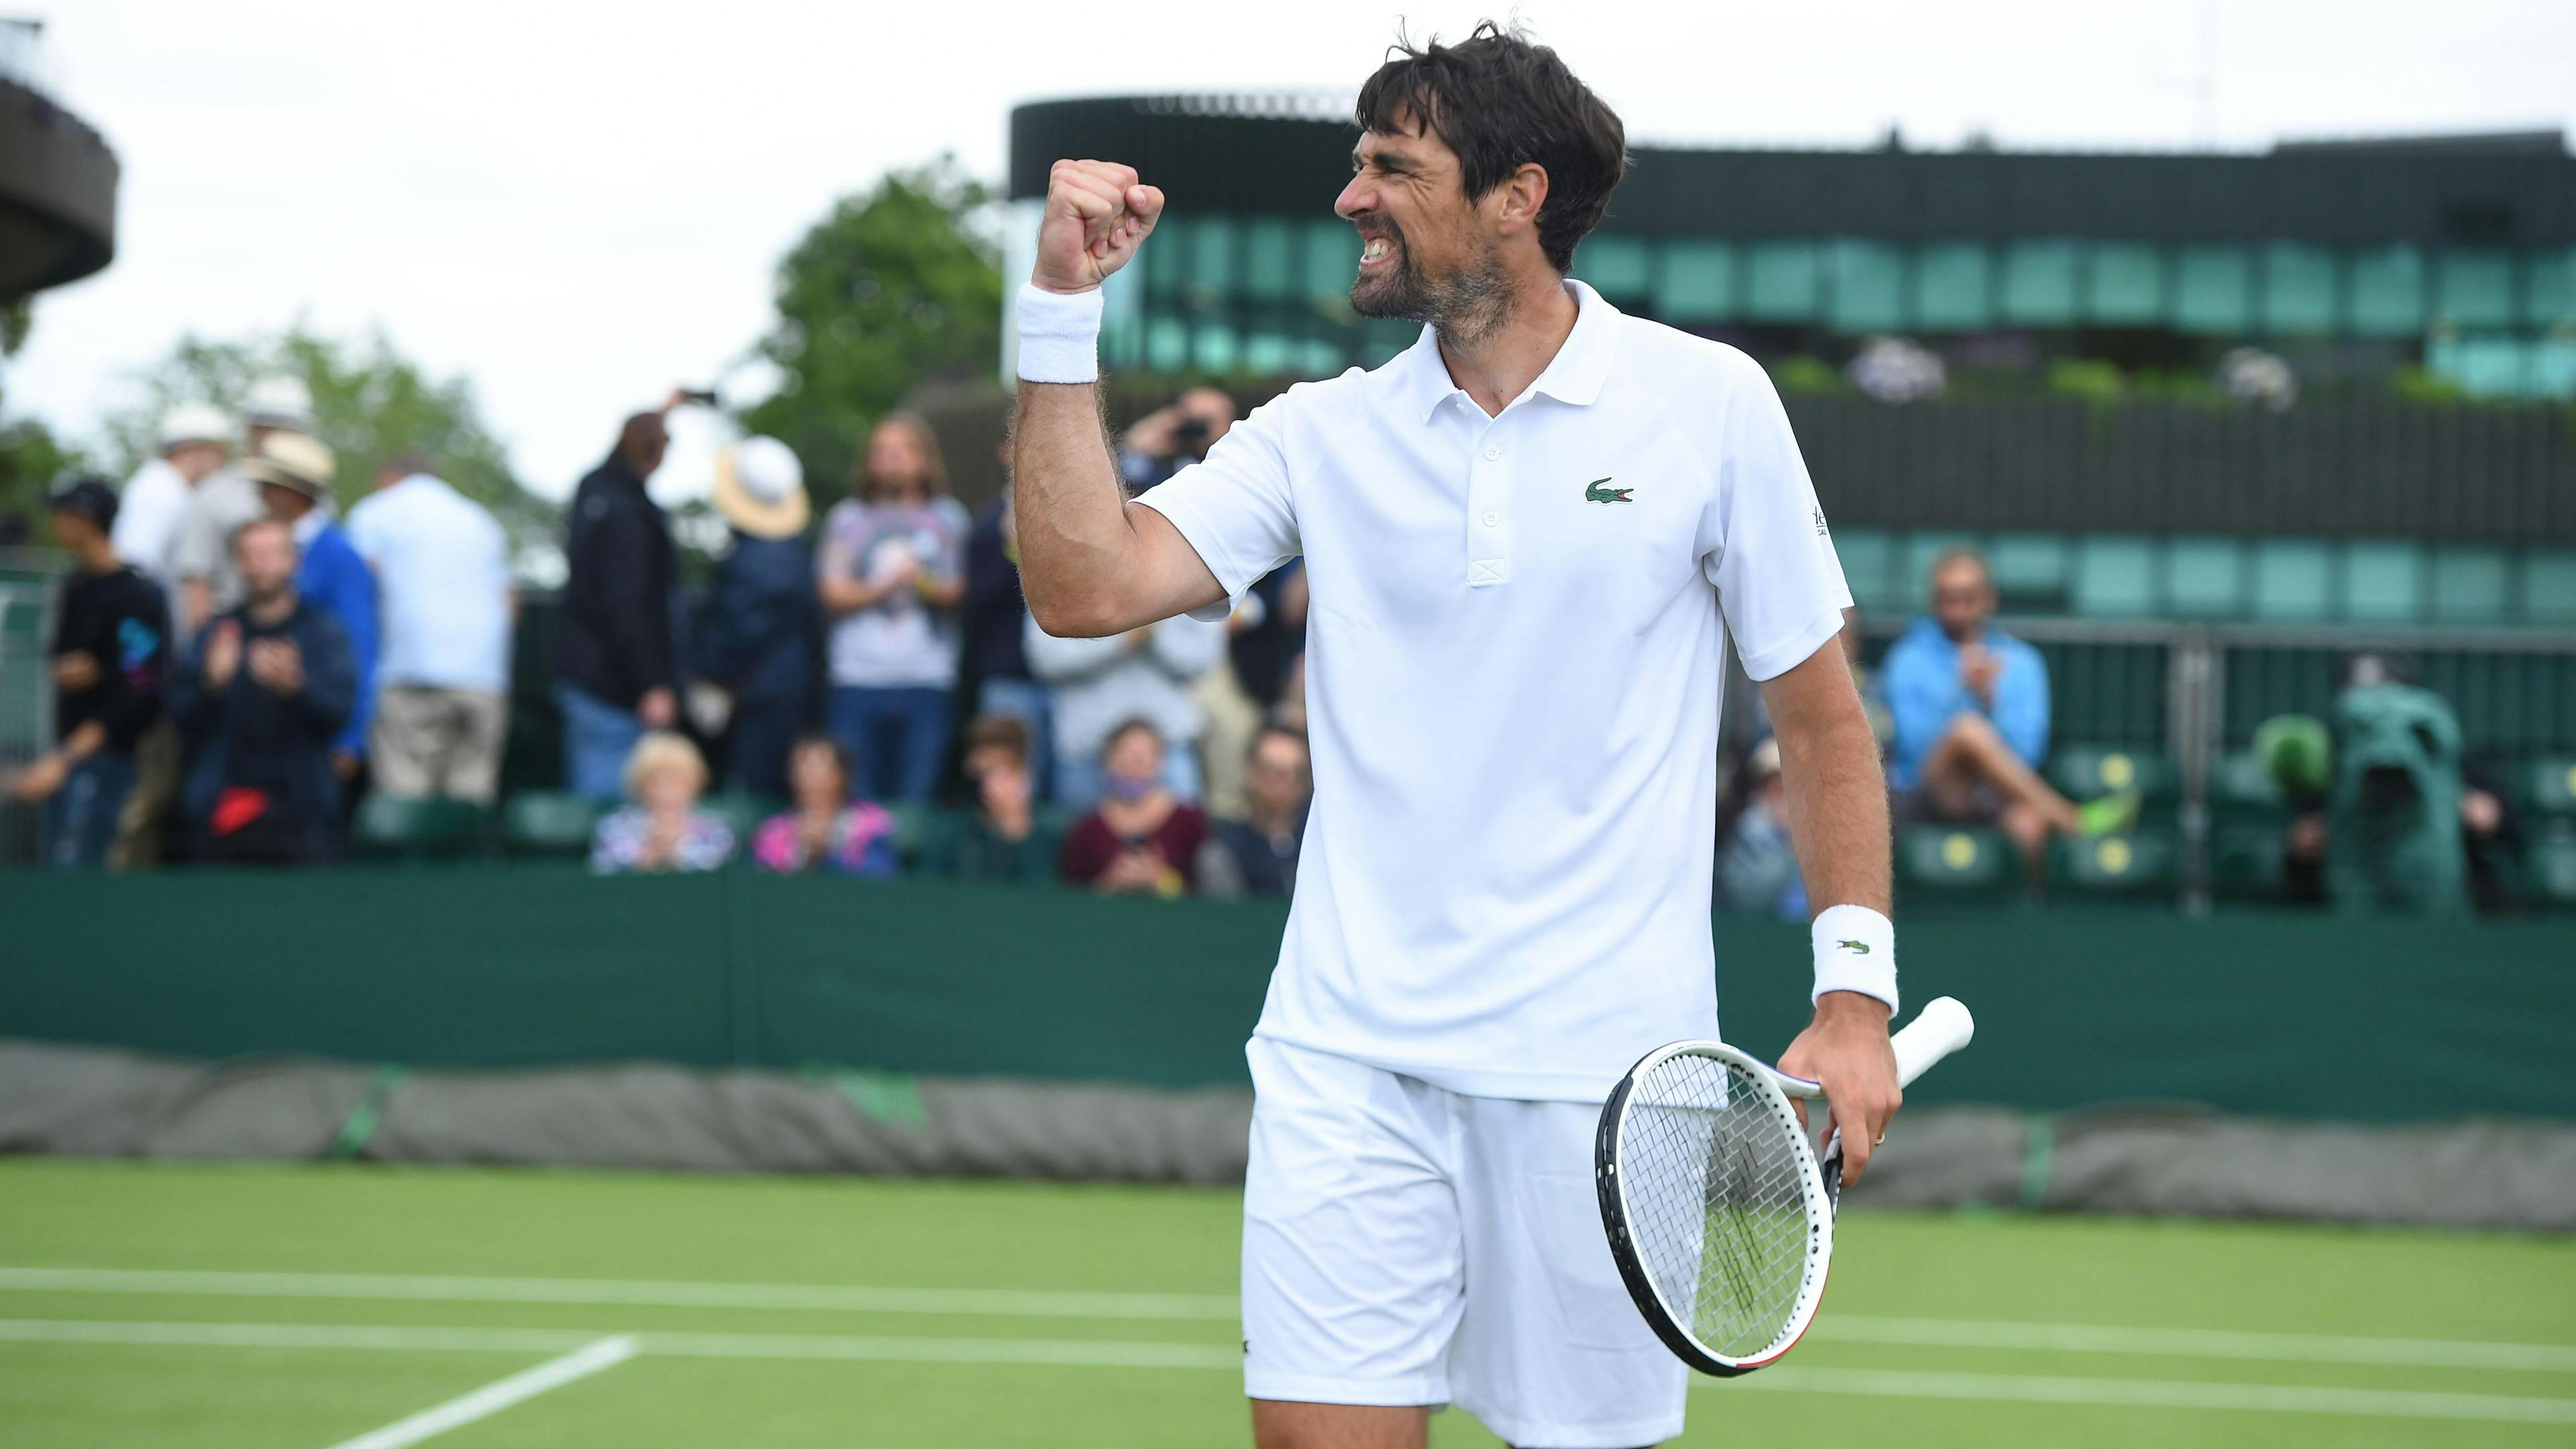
<point>1717,1203</point>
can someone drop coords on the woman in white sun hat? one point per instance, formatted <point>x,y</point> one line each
<point>754,655</point>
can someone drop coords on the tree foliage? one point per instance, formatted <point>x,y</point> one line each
<point>890,290</point>
<point>369,403</point>
<point>32,460</point>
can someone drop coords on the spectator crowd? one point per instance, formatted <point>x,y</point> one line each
<point>242,654</point>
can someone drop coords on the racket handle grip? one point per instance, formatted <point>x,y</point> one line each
<point>1940,1028</point>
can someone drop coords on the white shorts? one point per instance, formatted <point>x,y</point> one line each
<point>1407,1245</point>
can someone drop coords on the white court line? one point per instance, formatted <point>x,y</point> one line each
<point>1185,1307</point>
<point>997,1302</point>
<point>493,1397</point>
<point>1994,1388</point>
<point>2156,1394</point>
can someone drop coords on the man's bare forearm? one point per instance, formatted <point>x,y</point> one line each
<point>1073,530</point>
<point>1837,788</point>
<point>1091,563</point>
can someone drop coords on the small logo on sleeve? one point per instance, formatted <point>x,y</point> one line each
<point>1593,492</point>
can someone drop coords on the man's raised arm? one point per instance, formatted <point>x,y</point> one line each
<point>1090,563</point>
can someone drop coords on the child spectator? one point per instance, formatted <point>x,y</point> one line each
<point>1141,839</point>
<point>1004,837</point>
<point>827,831</point>
<point>663,830</point>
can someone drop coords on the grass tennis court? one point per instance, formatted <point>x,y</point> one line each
<point>205,1306</point>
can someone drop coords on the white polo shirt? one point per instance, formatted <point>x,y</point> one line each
<point>1514,658</point>
<point>443,573</point>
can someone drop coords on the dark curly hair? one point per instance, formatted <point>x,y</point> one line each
<point>1499,102</point>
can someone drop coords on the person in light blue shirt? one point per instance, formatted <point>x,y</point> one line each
<point>442,568</point>
<point>1970,705</point>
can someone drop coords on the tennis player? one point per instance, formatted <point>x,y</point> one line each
<point>1527,537</point>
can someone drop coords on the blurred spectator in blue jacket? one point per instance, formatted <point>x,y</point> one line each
<point>111,647</point>
<point>264,692</point>
<point>1970,704</point>
<point>755,657</point>
<point>294,477</point>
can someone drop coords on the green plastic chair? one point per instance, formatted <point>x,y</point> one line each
<point>549,823</point>
<point>741,813</point>
<point>2549,869</point>
<point>2245,863</point>
<point>2089,772</point>
<point>1956,860</point>
<point>2141,863</point>
<point>2549,787</point>
<point>396,827</point>
<point>2241,791</point>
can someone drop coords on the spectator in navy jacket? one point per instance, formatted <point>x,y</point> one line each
<point>294,477</point>
<point>755,663</point>
<point>265,690</point>
<point>617,674</point>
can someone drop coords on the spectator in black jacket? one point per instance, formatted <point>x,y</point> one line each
<point>618,670</point>
<point>265,689</point>
<point>755,663</point>
<point>111,642</point>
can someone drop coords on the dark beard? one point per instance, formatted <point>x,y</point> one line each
<point>1465,307</point>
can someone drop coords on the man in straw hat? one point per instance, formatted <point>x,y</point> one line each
<point>293,473</point>
<point>202,554</point>
<point>193,441</point>
<point>753,662</point>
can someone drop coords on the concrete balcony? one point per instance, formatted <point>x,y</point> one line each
<point>57,195</point>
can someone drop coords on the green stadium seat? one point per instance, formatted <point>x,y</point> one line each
<point>2031,571</point>
<point>1697,285</point>
<point>2205,577</point>
<point>2241,792</point>
<point>741,813</point>
<point>2383,583</point>
<point>2475,288</point>
<point>2471,585</point>
<point>2549,787</point>
<point>2142,863</point>
<point>2115,577</point>
<point>1868,286</point>
<point>2245,863</point>
<point>1868,556</point>
<point>2299,290</point>
<point>1954,287</point>
<point>2088,772</point>
<point>1780,281</point>
<point>2040,280</point>
<point>915,825</point>
<point>546,823</point>
<point>1956,860</point>
<point>2214,290</point>
<point>2127,285</point>
<point>2549,586</point>
<point>412,828</point>
<point>2293,580</point>
<point>1618,267</point>
<point>2549,870</point>
<point>2388,292</point>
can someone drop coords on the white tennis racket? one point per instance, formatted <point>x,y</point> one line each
<point>1720,1215</point>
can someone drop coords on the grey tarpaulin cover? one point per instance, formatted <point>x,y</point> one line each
<point>95,1102</point>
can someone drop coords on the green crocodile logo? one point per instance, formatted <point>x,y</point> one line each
<point>1593,492</point>
<point>1857,948</point>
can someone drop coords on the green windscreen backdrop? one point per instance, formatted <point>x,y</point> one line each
<point>474,966</point>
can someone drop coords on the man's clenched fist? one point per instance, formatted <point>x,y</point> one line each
<point>1096,215</point>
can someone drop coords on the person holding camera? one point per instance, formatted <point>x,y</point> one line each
<point>1174,436</point>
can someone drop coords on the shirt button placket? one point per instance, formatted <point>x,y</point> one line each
<point>1489,536</point>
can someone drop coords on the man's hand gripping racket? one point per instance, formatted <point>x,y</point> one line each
<point>1719,1211</point>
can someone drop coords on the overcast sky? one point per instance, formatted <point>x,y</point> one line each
<point>577,205</point>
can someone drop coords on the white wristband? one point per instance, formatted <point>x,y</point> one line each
<point>1059,334</point>
<point>1855,951</point>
